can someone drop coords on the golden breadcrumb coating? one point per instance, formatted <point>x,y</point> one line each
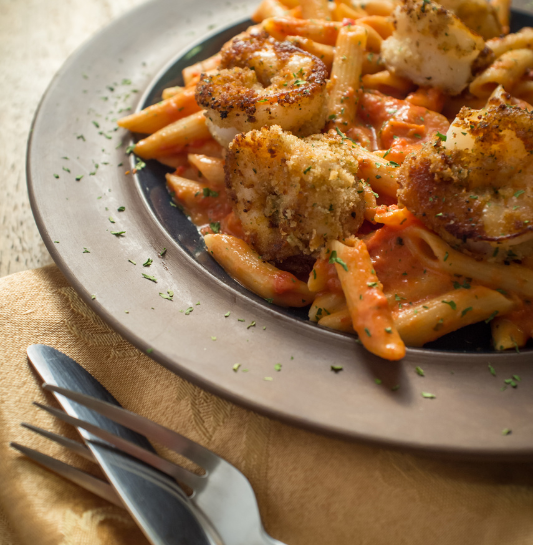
<point>475,189</point>
<point>293,195</point>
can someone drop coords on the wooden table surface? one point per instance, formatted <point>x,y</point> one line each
<point>36,37</point>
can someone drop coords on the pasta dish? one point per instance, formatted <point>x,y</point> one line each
<point>369,159</point>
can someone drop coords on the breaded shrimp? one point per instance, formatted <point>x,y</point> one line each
<point>263,82</point>
<point>293,195</point>
<point>431,46</point>
<point>475,188</point>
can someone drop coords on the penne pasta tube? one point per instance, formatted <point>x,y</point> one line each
<point>382,25</point>
<point>430,98</point>
<point>324,52</point>
<point>431,250</point>
<point>174,137</point>
<point>192,73</point>
<point>375,7</point>
<point>245,265</point>
<point>269,8</point>
<point>441,315</point>
<point>507,334</point>
<point>523,39</point>
<point>502,8</point>
<point>325,304</point>
<point>506,71</point>
<point>343,11</point>
<point>174,161</point>
<point>524,91</point>
<point>368,306</point>
<point>323,277</point>
<point>378,172</point>
<point>171,91</point>
<point>155,117</point>
<point>324,32</point>
<point>373,39</point>
<point>291,4</point>
<point>212,168</point>
<point>372,63</point>
<point>340,321</point>
<point>392,215</point>
<point>315,9</point>
<point>388,83</point>
<point>346,75</point>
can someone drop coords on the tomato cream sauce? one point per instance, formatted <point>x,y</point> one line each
<point>405,281</point>
<point>396,125</point>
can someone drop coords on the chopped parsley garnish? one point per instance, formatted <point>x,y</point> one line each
<point>277,367</point>
<point>268,379</point>
<point>169,296</point>
<point>518,193</point>
<point>121,209</point>
<point>139,165</point>
<point>118,233</point>
<point>451,303</point>
<point>334,259</point>
<point>427,395</point>
<point>56,175</point>
<point>337,368</point>
<point>445,258</point>
<point>85,250</point>
<point>236,367</point>
<point>443,137</point>
<point>148,262</point>
<point>491,317</point>
<point>372,284</point>
<point>492,370</point>
<point>131,261</point>
<point>79,177</point>
<point>227,314</point>
<point>468,309</point>
<point>368,332</point>
<point>188,311</point>
<point>388,330</point>
<point>209,192</point>
<point>151,278</point>
<point>111,219</point>
<point>506,431</point>
<point>66,169</point>
<point>215,226</point>
<point>307,169</point>
<point>130,149</point>
<point>251,325</point>
<point>419,371</point>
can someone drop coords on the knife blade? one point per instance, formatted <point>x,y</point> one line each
<point>156,502</point>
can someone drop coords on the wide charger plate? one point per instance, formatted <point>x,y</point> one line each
<point>125,67</point>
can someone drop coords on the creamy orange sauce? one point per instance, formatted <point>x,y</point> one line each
<point>397,125</point>
<point>405,281</point>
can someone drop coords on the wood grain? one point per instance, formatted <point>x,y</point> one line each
<point>36,37</point>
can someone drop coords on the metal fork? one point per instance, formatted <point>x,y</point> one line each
<point>222,493</point>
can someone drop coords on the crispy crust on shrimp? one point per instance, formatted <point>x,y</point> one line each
<point>293,195</point>
<point>475,189</point>
<point>264,82</point>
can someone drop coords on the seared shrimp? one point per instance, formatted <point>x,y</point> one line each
<point>293,195</point>
<point>475,188</point>
<point>263,82</point>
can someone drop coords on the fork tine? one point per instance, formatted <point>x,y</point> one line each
<point>74,446</point>
<point>164,436</point>
<point>72,474</point>
<point>177,472</point>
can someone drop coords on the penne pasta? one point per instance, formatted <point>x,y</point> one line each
<point>340,321</point>
<point>171,91</point>
<point>181,104</point>
<point>426,322</point>
<point>324,52</point>
<point>507,334</point>
<point>269,8</point>
<point>323,32</point>
<point>325,304</point>
<point>368,306</point>
<point>433,251</point>
<point>381,25</point>
<point>174,137</point>
<point>388,83</point>
<point>346,75</point>
<point>192,73</point>
<point>377,171</point>
<point>523,39</point>
<point>506,71</point>
<point>375,7</point>
<point>502,8</point>
<point>212,168</point>
<point>342,11</point>
<point>245,265</point>
<point>315,9</point>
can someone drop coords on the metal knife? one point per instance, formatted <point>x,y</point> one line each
<point>156,502</point>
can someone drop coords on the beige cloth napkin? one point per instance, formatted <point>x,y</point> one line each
<point>312,490</point>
